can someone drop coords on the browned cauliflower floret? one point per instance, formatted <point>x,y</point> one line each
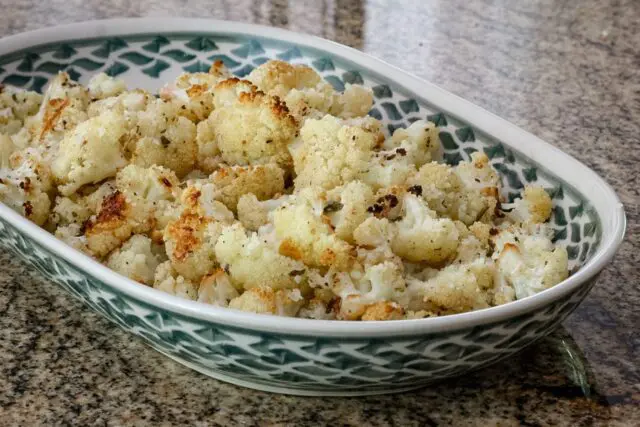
<point>305,92</point>
<point>64,106</point>
<point>193,92</point>
<point>534,207</point>
<point>253,260</point>
<point>191,239</point>
<point>139,205</point>
<point>72,235</point>
<point>137,259</point>
<point>332,152</point>
<point>216,289</point>
<point>16,105</point>
<point>168,280</point>
<point>231,183</point>
<point>383,310</point>
<point>162,137</point>
<point>254,128</point>
<point>89,153</point>
<point>77,208</point>
<point>102,86</point>
<point>305,235</point>
<point>25,185</point>
<point>266,300</point>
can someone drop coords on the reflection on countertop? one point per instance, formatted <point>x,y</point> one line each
<point>567,72</point>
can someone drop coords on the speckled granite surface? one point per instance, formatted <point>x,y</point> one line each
<point>566,71</point>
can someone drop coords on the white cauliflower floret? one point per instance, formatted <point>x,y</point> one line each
<point>209,155</point>
<point>478,173</point>
<point>102,86</point>
<point>254,128</point>
<point>420,236</point>
<point>216,289</point>
<point>128,103</point>
<point>25,184</point>
<point>355,101</point>
<point>137,259</point>
<point>381,286</point>
<point>454,289</point>
<point>77,208</point>
<point>162,137</point>
<point>166,279</point>
<point>16,105</point>
<point>193,92</point>
<point>306,236</point>
<point>331,152</point>
<point>90,153</point>
<point>253,213</point>
<point>534,207</point>
<point>346,208</point>
<point>527,261</point>
<point>266,300</point>
<point>403,153</point>
<point>231,183</point>
<point>72,235</point>
<point>252,260</point>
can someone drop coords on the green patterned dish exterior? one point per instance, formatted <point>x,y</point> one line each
<point>318,360</point>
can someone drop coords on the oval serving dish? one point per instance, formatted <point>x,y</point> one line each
<point>301,356</point>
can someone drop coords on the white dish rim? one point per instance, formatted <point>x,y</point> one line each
<point>603,198</point>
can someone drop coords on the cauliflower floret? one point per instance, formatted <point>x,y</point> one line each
<point>72,235</point>
<point>266,300</point>
<point>304,91</point>
<point>231,183</point>
<point>102,86</point>
<point>444,191</point>
<point>166,279</point>
<point>383,310</point>
<point>190,244</point>
<point>478,173</point>
<point>454,289</point>
<point>16,105</point>
<point>254,128</point>
<point>128,103</point>
<point>216,289</point>
<point>527,261</point>
<point>306,236</point>
<point>63,107</point>
<point>346,208</point>
<point>163,138</point>
<point>25,184</point>
<point>138,205</point>
<point>533,207</point>
<point>355,101</point>
<point>209,156</point>
<point>137,259</point>
<point>253,213</point>
<point>193,92</point>
<point>252,260</point>
<point>90,153</point>
<point>407,150</point>
<point>332,152</point>
<point>420,236</point>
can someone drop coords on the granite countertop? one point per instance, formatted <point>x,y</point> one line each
<point>567,71</point>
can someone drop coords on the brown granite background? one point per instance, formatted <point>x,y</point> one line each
<point>567,71</point>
